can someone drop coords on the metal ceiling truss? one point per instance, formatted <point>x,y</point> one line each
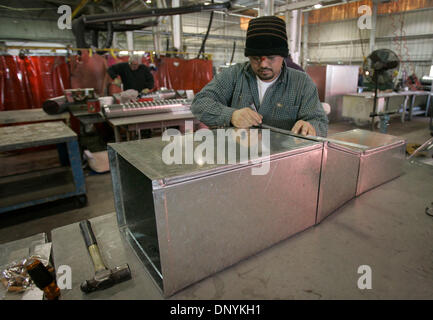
<point>104,21</point>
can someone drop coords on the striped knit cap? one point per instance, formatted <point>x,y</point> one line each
<point>266,36</point>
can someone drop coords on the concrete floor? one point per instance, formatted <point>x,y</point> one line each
<point>43,218</point>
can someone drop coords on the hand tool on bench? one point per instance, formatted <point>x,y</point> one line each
<point>104,277</point>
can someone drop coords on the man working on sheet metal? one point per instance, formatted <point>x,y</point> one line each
<point>263,90</point>
<point>134,74</point>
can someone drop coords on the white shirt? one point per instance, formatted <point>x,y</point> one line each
<point>262,86</point>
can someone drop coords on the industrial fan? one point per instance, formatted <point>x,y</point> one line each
<point>380,68</point>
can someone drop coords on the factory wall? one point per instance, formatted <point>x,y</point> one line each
<point>33,29</point>
<point>408,34</point>
<point>225,30</point>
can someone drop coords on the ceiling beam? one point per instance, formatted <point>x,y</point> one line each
<point>60,2</point>
<point>303,4</point>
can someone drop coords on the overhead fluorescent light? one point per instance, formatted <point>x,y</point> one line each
<point>317,6</point>
<point>123,53</point>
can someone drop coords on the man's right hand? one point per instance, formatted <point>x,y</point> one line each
<point>117,82</point>
<point>245,118</point>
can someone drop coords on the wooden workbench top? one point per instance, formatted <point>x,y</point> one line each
<point>29,115</point>
<point>32,135</point>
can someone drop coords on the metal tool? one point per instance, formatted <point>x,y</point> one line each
<point>104,277</point>
<point>425,146</point>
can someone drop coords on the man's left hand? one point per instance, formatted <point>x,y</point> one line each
<point>304,128</point>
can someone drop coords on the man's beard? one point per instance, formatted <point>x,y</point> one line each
<point>267,77</point>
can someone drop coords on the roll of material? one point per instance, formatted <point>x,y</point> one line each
<point>145,107</point>
<point>55,105</point>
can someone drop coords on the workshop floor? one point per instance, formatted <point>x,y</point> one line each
<point>26,222</point>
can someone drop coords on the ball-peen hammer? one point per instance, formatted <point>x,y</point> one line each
<point>104,277</point>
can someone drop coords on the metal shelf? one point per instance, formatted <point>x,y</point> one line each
<point>31,187</point>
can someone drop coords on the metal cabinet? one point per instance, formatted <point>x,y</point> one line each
<point>334,81</point>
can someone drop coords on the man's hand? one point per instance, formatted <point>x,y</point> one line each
<point>245,118</point>
<point>117,82</point>
<point>145,91</point>
<point>304,128</point>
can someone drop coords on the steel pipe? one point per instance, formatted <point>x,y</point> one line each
<point>120,16</point>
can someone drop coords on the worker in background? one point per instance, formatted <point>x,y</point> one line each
<point>263,90</point>
<point>134,75</point>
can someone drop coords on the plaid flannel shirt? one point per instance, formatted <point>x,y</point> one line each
<point>291,98</point>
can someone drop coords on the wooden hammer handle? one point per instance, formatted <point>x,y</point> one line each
<point>92,245</point>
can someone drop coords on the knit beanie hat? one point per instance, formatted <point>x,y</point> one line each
<point>266,36</point>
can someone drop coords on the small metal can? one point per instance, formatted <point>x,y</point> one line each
<point>93,106</point>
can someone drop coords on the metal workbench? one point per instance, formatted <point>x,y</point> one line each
<point>134,123</point>
<point>359,105</point>
<point>150,121</point>
<point>33,188</point>
<point>84,117</point>
<point>385,228</point>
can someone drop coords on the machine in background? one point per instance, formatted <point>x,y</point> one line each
<point>380,68</point>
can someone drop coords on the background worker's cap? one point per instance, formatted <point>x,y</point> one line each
<point>266,36</point>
